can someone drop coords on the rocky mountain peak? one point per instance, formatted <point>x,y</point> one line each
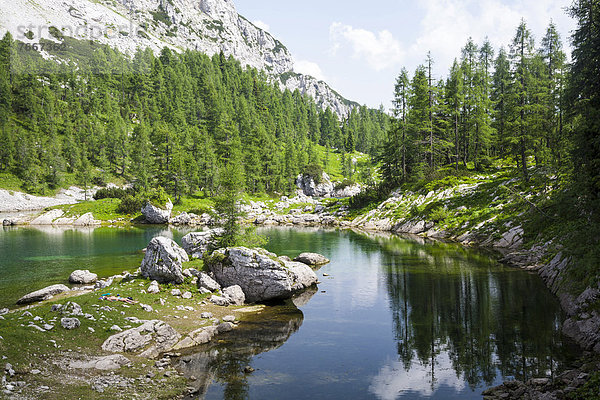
<point>209,26</point>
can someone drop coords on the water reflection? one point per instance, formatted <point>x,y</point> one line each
<point>224,361</point>
<point>453,308</point>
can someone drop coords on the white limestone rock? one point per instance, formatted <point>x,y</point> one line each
<point>260,274</point>
<point>162,261</point>
<point>83,277</point>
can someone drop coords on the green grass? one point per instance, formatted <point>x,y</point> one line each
<point>103,210</point>
<point>10,181</point>
<point>197,203</point>
<point>26,348</point>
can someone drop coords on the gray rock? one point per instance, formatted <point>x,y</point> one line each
<point>175,292</point>
<point>116,328</point>
<point>71,308</point>
<point>146,307</point>
<point>197,337</point>
<point>229,318</point>
<point>205,281</point>
<point>181,219</point>
<point>347,191</point>
<point>186,295</point>
<point>70,323</point>
<point>82,277</point>
<point>260,274</point>
<point>105,363</point>
<point>3,311</point>
<point>162,261</point>
<point>235,295</point>
<point>151,338</point>
<point>225,327</point>
<point>206,315</point>
<point>42,294</point>
<point>157,215</point>
<point>196,243</point>
<point>153,288</point>
<point>219,300</point>
<point>204,291</point>
<point>311,259</point>
<point>309,188</point>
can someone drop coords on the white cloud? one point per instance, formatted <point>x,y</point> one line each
<point>309,68</point>
<point>380,50</point>
<point>262,25</point>
<point>447,24</point>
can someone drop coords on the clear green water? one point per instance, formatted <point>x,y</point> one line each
<point>394,319</point>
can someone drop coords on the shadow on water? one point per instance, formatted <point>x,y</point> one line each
<point>223,361</point>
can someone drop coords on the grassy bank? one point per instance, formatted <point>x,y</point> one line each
<point>42,359</point>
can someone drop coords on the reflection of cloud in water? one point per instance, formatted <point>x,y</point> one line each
<point>394,380</point>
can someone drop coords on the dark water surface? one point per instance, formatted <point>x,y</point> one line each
<point>395,318</point>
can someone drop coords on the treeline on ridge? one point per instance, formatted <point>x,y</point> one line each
<point>172,120</point>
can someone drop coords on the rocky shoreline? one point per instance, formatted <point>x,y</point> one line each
<point>235,283</point>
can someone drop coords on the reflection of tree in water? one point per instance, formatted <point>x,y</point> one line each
<point>446,299</point>
<point>224,360</point>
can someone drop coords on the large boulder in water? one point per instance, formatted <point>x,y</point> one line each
<point>157,215</point>
<point>162,261</point>
<point>196,243</point>
<point>261,275</point>
<point>42,294</point>
<point>312,259</point>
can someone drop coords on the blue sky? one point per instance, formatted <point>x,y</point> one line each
<point>359,47</point>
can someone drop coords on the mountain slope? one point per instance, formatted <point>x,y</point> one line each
<point>209,26</point>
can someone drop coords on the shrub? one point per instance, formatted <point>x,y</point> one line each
<point>131,204</point>
<point>344,184</point>
<point>314,171</point>
<point>111,193</point>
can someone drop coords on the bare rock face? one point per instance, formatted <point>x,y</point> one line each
<point>151,338</point>
<point>312,259</point>
<point>82,277</point>
<point>162,261</point>
<point>308,186</point>
<point>347,191</point>
<point>42,294</point>
<point>260,274</point>
<point>157,215</point>
<point>196,243</point>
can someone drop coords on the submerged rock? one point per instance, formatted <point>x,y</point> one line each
<point>260,274</point>
<point>42,294</point>
<point>162,261</point>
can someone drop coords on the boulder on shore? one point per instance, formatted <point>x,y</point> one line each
<point>157,215</point>
<point>260,274</point>
<point>152,338</point>
<point>196,243</point>
<point>42,294</point>
<point>312,259</point>
<point>307,185</point>
<point>162,261</point>
<point>82,277</point>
